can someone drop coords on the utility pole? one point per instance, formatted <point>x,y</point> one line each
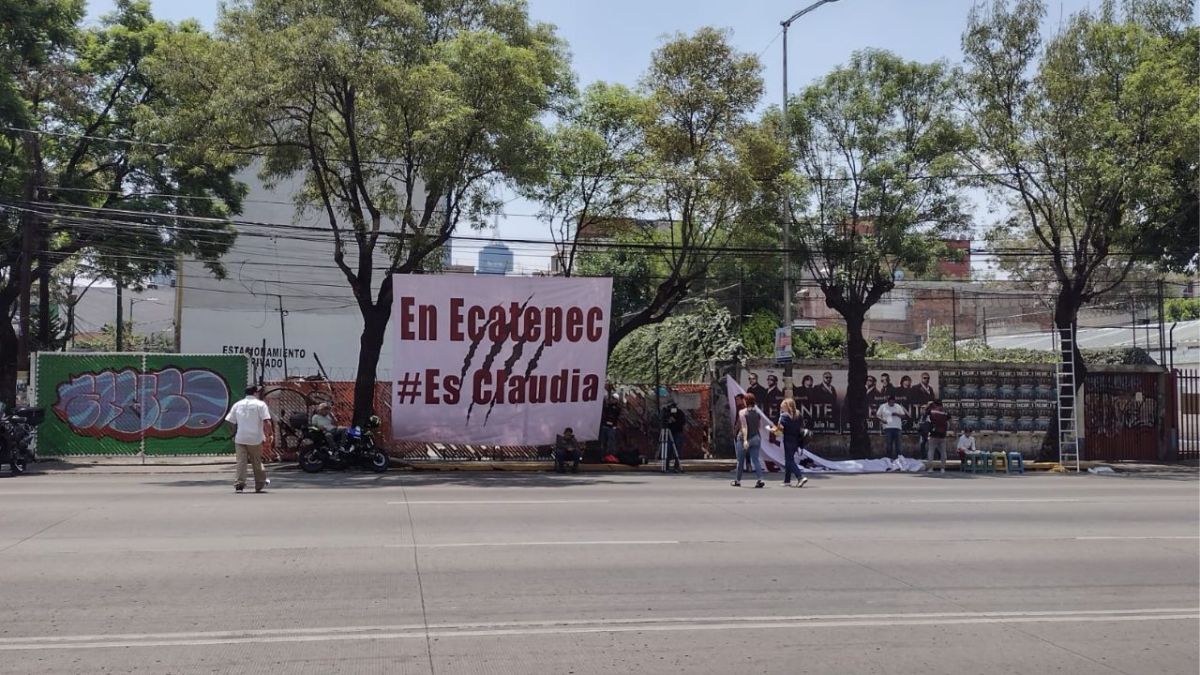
<point>282,336</point>
<point>28,238</point>
<point>1162,319</point>
<point>954,320</point>
<point>786,206</point>
<point>120,317</point>
<point>179,302</point>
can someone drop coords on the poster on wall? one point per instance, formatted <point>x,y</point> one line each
<point>159,404</point>
<point>820,394</point>
<point>498,360</point>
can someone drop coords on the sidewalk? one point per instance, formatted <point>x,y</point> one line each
<point>134,464</point>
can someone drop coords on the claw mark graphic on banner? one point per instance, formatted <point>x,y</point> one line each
<point>508,361</point>
<point>126,405</point>
<point>518,347</point>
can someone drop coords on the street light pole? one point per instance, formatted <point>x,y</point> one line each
<point>132,303</point>
<point>787,211</point>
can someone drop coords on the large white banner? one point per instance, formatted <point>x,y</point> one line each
<point>498,360</point>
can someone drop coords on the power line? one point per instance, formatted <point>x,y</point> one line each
<point>589,245</point>
<point>418,165</point>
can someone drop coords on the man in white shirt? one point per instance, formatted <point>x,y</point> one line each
<point>250,418</point>
<point>891,415</point>
<point>966,445</point>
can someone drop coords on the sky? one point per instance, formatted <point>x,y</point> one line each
<point>612,40</point>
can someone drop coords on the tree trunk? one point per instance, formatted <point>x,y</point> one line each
<point>370,344</point>
<point>120,327</point>
<point>1066,309</point>
<point>855,411</point>
<point>8,356</point>
<point>45,334</point>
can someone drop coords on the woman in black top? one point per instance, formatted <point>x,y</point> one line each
<point>749,440</point>
<point>794,432</point>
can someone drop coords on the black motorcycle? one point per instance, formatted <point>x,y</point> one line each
<point>16,437</point>
<point>352,447</point>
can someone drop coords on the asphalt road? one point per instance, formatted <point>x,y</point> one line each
<point>625,573</point>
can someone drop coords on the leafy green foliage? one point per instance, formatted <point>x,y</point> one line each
<point>589,180</point>
<point>1182,309</point>
<point>820,343</point>
<point>681,345</point>
<point>404,114</point>
<point>757,333</point>
<point>876,145</point>
<point>80,109</point>
<point>1091,134</point>
<point>677,168</point>
<point>106,341</point>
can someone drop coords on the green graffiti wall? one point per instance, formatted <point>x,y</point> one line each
<point>113,404</point>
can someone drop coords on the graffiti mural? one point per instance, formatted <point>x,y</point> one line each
<point>120,404</point>
<point>127,405</point>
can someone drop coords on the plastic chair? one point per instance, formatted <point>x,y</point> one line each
<point>1014,457</point>
<point>999,456</point>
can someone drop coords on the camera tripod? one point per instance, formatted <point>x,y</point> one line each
<point>667,451</point>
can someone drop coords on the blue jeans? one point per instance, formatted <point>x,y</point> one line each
<point>755,444</point>
<point>891,442</point>
<point>608,440</point>
<point>790,465</point>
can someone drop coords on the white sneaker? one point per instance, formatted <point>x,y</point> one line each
<point>802,482</point>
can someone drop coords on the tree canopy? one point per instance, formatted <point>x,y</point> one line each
<point>400,117</point>
<point>876,147</point>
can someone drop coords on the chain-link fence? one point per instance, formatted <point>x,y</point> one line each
<point>136,403</point>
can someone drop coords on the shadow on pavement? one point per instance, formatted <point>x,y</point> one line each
<point>292,480</point>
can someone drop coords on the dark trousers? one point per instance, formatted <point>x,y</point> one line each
<point>677,441</point>
<point>608,440</point>
<point>790,465</point>
<point>891,442</point>
<point>562,457</point>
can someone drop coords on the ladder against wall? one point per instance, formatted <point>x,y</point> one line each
<point>1068,408</point>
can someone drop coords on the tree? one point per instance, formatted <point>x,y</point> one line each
<point>83,173</point>
<point>680,347</point>
<point>876,145</point>
<point>590,181</point>
<point>674,171</point>
<point>399,116</point>
<point>1088,135</point>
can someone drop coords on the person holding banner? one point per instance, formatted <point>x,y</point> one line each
<point>750,419</point>
<point>794,432</point>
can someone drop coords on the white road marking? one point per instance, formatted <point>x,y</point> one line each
<point>433,502</point>
<point>613,542</point>
<point>990,501</point>
<point>552,627</point>
<point>1115,537</point>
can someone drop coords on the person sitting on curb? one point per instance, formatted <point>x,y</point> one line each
<point>966,444</point>
<point>566,449</point>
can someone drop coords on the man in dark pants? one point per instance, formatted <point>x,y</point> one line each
<point>674,420</point>
<point>609,418</point>
<point>566,449</point>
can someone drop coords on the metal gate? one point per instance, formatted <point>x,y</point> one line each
<point>1186,418</point>
<point>1124,413</point>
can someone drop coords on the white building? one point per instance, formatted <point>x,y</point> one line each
<point>282,287</point>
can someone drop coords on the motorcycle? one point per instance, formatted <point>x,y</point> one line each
<point>16,437</point>
<point>356,446</point>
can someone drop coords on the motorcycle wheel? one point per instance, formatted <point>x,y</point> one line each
<point>311,460</point>
<point>379,461</point>
<point>20,463</point>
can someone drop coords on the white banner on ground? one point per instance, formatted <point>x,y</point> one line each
<point>498,360</point>
<point>772,447</point>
